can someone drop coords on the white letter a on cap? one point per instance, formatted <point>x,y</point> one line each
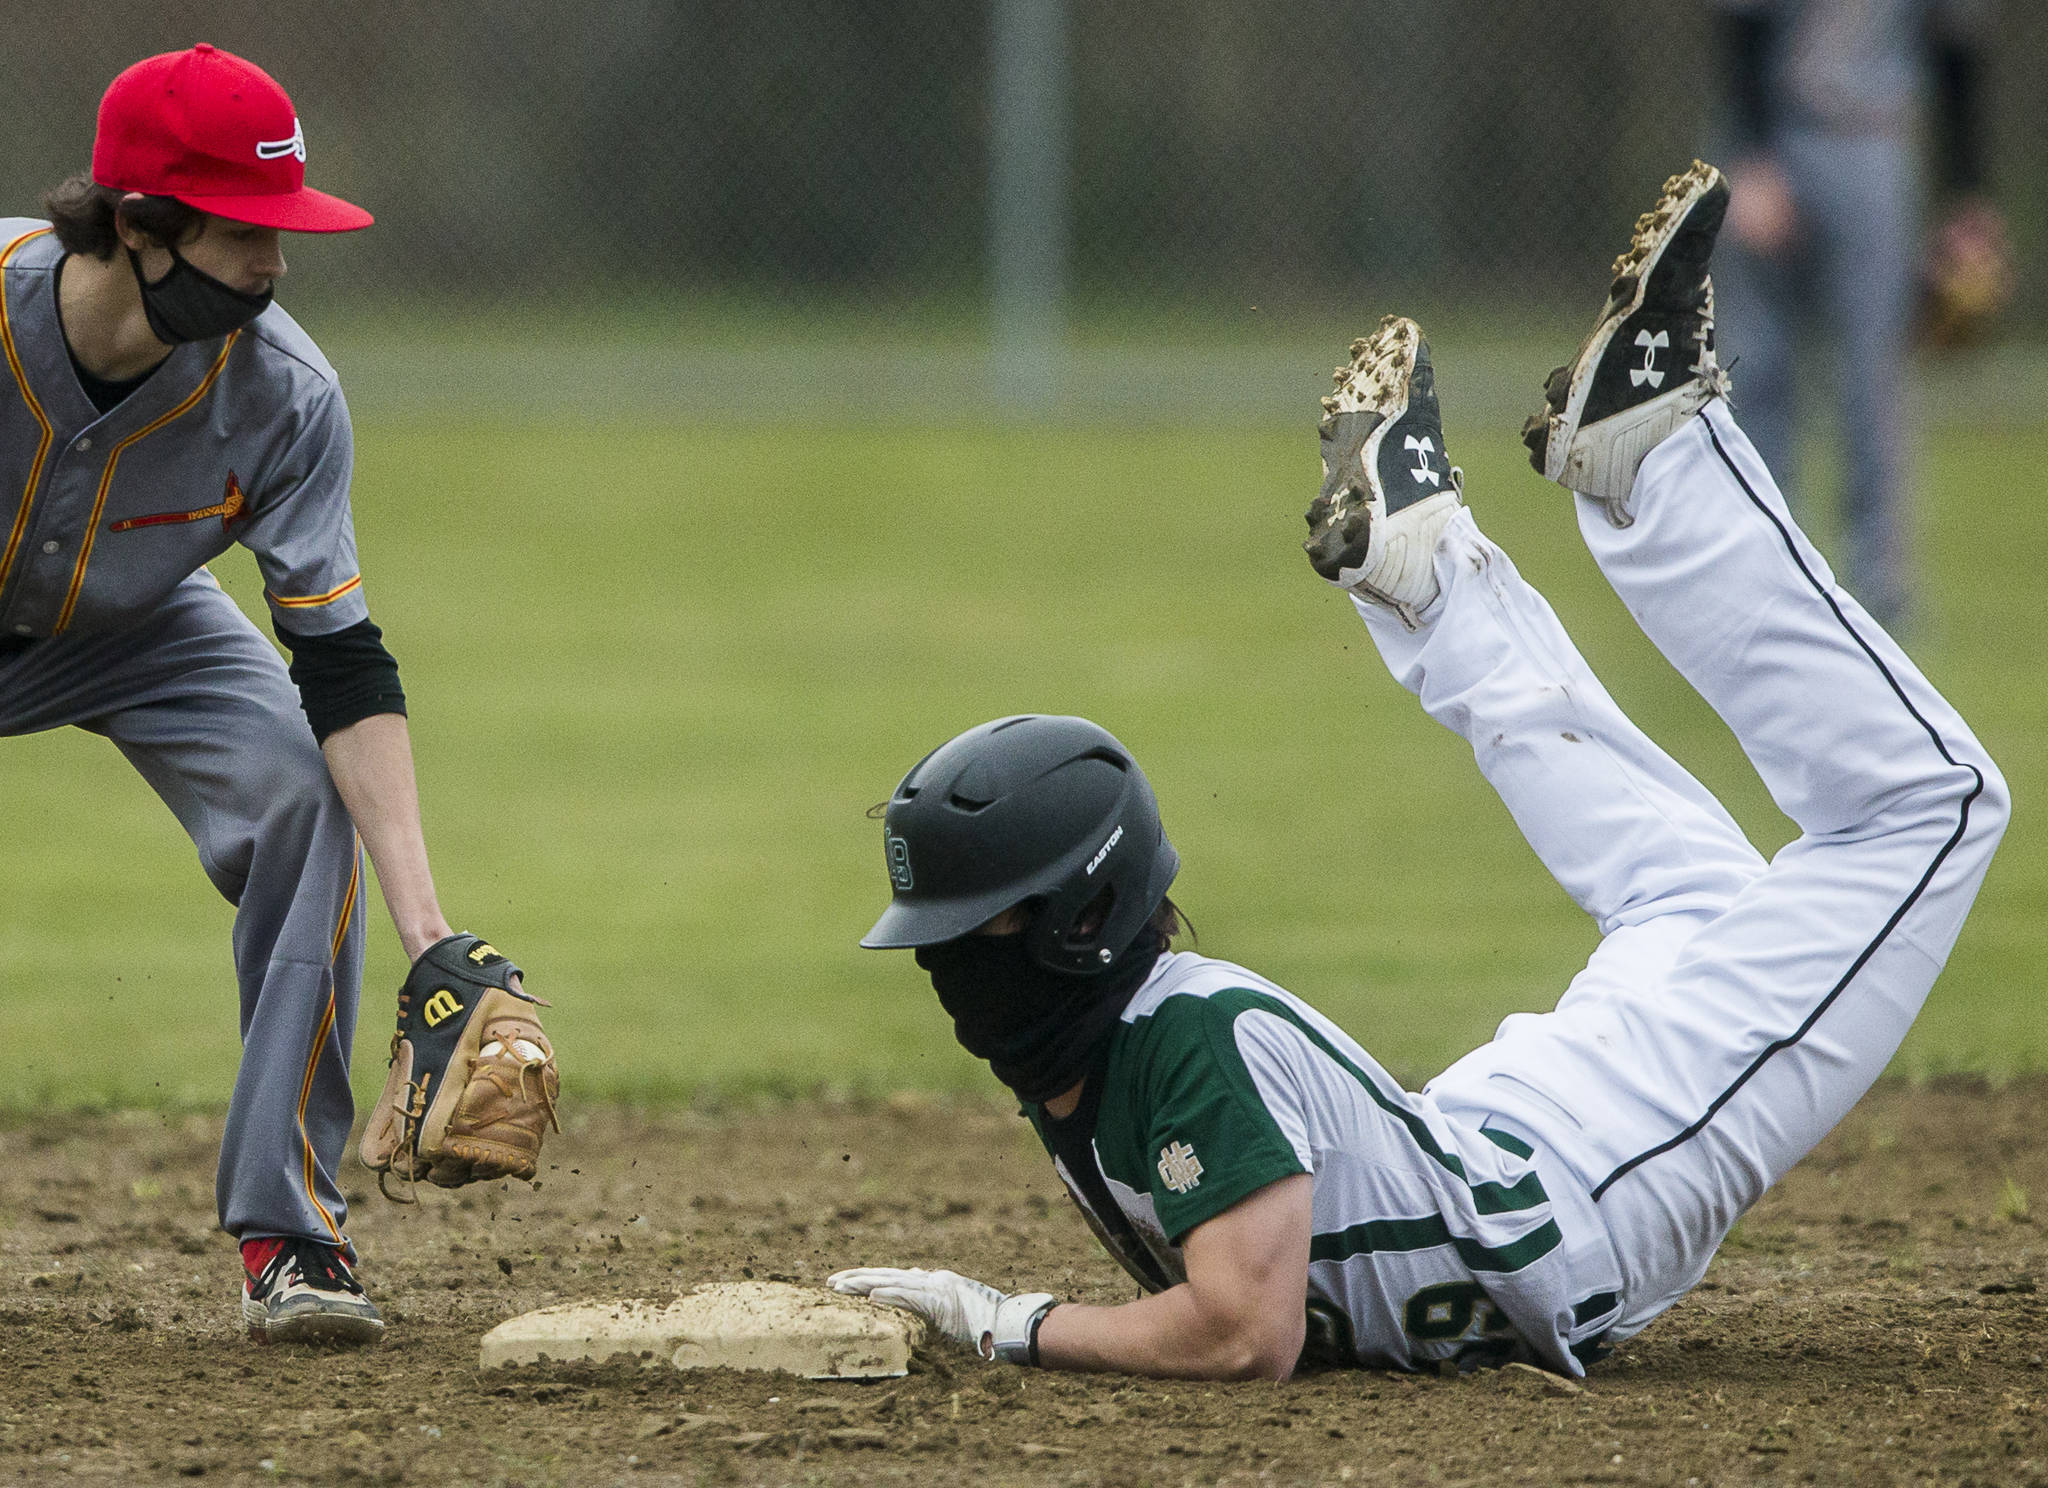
<point>277,149</point>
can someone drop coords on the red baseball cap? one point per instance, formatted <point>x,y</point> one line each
<point>216,133</point>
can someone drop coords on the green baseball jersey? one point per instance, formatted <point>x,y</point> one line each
<point>1433,1239</point>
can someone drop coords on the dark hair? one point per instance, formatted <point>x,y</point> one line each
<point>1170,921</point>
<point>84,214</point>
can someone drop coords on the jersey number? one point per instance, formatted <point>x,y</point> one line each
<point>1448,1309</point>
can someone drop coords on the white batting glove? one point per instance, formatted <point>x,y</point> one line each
<point>995,1325</point>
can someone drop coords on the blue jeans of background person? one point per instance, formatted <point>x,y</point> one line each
<point>1841,301</point>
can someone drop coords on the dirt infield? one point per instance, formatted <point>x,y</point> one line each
<point>1874,1321</point>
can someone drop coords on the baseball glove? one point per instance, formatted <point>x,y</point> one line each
<point>472,1085</point>
<point>1966,282</point>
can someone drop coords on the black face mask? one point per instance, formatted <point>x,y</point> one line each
<point>1040,1031</point>
<point>188,304</point>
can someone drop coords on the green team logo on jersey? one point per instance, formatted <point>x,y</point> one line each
<point>1179,1168</point>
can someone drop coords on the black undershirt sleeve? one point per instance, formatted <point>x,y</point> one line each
<point>1745,40</point>
<point>344,676</point>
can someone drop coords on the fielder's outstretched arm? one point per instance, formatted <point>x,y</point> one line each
<point>1241,1314</point>
<point>371,762</point>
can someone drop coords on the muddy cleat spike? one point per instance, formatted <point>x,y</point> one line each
<point>1388,486</point>
<point>1648,365</point>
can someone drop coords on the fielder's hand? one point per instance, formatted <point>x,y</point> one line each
<point>994,1325</point>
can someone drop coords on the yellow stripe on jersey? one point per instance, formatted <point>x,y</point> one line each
<point>314,601</point>
<point>99,504</point>
<point>35,468</point>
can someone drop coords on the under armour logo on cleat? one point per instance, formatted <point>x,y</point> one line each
<point>1424,448</point>
<point>1649,372</point>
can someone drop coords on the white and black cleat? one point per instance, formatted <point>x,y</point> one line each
<point>1649,364</point>
<point>1388,487</point>
<point>308,1294</point>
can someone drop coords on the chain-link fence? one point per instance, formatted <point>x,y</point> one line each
<point>1197,160</point>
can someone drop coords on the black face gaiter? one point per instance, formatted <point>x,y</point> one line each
<point>1039,1030</point>
<point>188,304</point>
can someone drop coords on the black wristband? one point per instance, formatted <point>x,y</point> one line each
<point>1031,1333</point>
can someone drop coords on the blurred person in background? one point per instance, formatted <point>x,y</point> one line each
<point>1821,102</point>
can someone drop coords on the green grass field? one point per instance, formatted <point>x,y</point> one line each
<point>659,673</point>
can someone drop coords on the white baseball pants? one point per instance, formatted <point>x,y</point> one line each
<point>1735,1010</point>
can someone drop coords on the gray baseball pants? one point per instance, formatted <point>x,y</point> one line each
<point>1841,299</point>
<point>201,704</point>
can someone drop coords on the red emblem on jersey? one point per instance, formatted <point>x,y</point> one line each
<point>230,507</point>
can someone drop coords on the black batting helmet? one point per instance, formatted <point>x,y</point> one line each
<point>1033,807</point>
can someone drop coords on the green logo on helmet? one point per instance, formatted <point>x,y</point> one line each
<point>899,860</point>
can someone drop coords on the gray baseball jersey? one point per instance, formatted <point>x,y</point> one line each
<point>244,441</point>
